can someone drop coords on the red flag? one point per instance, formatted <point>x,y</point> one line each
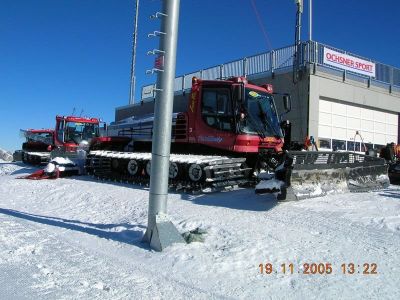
<point>159,62</point>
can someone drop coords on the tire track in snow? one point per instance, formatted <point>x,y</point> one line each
<point>85,256</point>
<point>332,227</point>
<point>312,229</point>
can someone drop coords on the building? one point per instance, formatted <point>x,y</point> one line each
<point>338,98</point>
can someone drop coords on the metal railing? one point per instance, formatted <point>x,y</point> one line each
<point>311,52</point>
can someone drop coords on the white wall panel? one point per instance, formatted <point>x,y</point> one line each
<point>353,111</point>
<point>379,138</point>
<point>325,118</point>
<point>379,116</point>
<point>325,106</point>
<point>367,125</point>
<point>391,129</point>
<point>368,137</point>
<point>339,133</point>
<point>367,114</point>
<point>324,130</point>
<point>342,121</point>
<point>338,121</point>
<point>339,108</point>
<point>392,119</point>
<point>391,139</point>
<point>379,127</point>
<point>354,123</point>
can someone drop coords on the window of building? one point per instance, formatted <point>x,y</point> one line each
<point>338,145</point>
<point>366,147</point>
<point>324,143</point>
<point>378,147</point>
<point>353,146</point>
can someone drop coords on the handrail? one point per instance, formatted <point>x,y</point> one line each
<point>269,62</point>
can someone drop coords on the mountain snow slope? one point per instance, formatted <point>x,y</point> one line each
<point>5,155</point>
<point>77,238</point>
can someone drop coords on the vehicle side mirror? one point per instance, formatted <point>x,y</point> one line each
<point>103,131</point>
<point>287,103</point>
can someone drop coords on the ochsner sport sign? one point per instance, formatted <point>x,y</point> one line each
<point>348,62</point>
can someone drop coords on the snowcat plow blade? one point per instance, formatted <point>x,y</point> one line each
<point>315,174</point>
<point>309,174</point>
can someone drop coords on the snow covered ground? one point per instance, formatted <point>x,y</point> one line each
<point>76,238</point>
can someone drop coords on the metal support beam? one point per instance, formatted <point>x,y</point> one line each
<point>160,231</point>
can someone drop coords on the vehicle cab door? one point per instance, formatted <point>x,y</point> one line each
<point>215,120</point>
<point>60,133</point>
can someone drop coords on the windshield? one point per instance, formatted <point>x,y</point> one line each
<point>77,132</point>
<point>261,116</point>
<point>44,137</point>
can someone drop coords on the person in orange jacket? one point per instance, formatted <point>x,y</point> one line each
<point>397,151</point>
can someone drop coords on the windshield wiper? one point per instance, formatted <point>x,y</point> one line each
<point>256,126</point>
<point>269,125</point>
<point>263,117</point>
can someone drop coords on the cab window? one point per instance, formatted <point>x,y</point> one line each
<point>60,131</point>
<point>216,109</point>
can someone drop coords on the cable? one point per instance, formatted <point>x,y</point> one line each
<point>260,23</point>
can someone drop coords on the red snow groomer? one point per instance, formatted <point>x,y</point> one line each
<point>64,148</point>
<point>37,146</point>
<point>223,132</point>
<point>71,141</point>
<point>72,132</point>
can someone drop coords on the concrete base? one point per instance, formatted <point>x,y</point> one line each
<point>162,234</point>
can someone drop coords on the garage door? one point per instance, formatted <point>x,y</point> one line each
<point>339,123</point>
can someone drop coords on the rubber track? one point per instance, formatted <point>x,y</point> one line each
<point>220,172</point>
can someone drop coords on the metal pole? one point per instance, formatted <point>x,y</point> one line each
<point>297,42</point>
<point>160,233</point>
<point>132,89</point>
<point>310,20</point>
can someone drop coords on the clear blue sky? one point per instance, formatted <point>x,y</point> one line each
<point>57,55</point>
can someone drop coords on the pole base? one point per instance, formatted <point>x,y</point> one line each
<point>162,234</point>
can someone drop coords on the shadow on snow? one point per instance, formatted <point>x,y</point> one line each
<point>133,235</point>
<point>394,193</point>
<point>24,167</point>
<point>25,170</point>
<point>240,199</point>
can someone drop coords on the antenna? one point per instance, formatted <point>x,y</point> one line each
<point>81,113</point>
<point>297,42</point>
<point>73,111</point>
<point>310,20</point>
<point>133,77</point>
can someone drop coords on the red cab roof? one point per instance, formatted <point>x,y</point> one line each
<point>40,130</point>
<point>77,119</point>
